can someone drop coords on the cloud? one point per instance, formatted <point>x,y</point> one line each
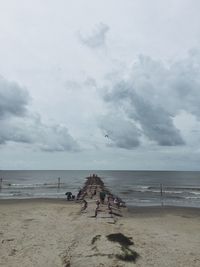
<point>155,121</point>
<point>13,132</point>
<point>151,95</point>
<point>18,124</point>
<point>87,83</point>
<point>32,131</point>
<point>54,138</point>
<point>13,99</point>
<point>96,38</point>
<point>120,132</point>
<point>173,86</point>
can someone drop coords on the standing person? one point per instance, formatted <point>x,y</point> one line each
<point>95,191</point>
<point>97,207</point>
<point>79,194</point>
<point>116,202</point>
<point>85,204</point>
<point>69,195</point>
<point>110,208</point>
<point>109,198</point>
<point>102,196</point>
<point>97,203</point>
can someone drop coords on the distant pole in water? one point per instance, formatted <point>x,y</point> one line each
<point>58,182</point>
<point>1,182</point>
<point>161,193</point>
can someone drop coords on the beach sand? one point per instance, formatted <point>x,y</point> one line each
<point>54,233</point>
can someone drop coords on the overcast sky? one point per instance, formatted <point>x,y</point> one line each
<point>104,84</point>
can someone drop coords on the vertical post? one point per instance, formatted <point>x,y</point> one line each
<point>161,193</point>
<point>58,182</point>
<point>1,182</point>
<point>161,190</point>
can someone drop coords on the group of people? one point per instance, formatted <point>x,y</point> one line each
<point>70,196</point>
<point>91,189</point>
<point>94,188</point>
<point>111,200</point>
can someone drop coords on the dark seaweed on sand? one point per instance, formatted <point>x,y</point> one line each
<point>95,238</point>
<point>127,253</point>
<point>121,239</point>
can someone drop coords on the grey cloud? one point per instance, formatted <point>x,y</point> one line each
<point>156,123</point>
<point>55,138</point>
<point>174,86</point>
<point>32,131</point>
<point>13,133</point>
<point>96,38</point>
<point>13,99</point>
<point>72,85</point>
<point>19,125</point>
<point>121,133</point>
<point>152,94</point>
<point>88,82</point>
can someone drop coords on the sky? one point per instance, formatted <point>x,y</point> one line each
<point>105,85</point>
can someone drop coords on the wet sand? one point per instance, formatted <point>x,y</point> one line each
<point>42,232</point>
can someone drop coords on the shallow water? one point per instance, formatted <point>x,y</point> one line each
<point>137,188</point>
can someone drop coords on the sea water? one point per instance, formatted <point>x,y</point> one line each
<point>136,188</point>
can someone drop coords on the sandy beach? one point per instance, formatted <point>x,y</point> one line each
<point>54,233</point>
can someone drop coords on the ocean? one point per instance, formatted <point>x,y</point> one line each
<point>136,188</point>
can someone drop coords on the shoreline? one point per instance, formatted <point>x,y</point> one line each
<point>130,210</point>
<point>34,200</point>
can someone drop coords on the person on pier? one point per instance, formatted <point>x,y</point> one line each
<point>97,208</point>
<point>85,204</point>
<point>102,196</point>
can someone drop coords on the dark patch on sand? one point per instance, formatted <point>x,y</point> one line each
<point>29,220</point>
<point>101,255</point>
<point>7,240</point>
<point>121,239</point>
<point>13,252</point>
<point>95,238</point>
<point>116,214</point>
<point>128,254</point>
<point>66,262</point>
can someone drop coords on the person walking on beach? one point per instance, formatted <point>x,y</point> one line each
<point>110,209</point>
<point>97,207</point>
<point>85,204</point>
